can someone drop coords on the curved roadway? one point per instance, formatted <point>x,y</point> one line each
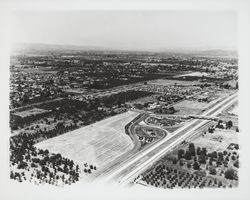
<point>134,166</point>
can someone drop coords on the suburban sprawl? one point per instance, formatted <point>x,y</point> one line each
<point>144,119</point>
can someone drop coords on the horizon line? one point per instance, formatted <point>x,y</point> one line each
<point>107,48</point>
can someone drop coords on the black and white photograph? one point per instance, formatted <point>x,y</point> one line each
<point>135,99</point>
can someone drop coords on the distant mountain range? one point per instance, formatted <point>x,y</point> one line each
<point>30,47</point>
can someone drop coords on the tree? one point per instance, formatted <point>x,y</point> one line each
<point>236,164</point>
<point>214,155</point>
<point>198,151</point>
<point>230,174</point>
<point>22,165</point>
<point>180,153</point>
<point>181,162</point>
<point>191,148</point>
<point>229,124</point>
<point>219,163</point>
<point>196,166</point>
<point>174,160</point>
<point>77,167</point>
<point>27,157</point>
<point>33,165</point>
<point>188,155</point>
<point>210,130</point>
<point>204,151</point>
<point>202,159</point>
<point>212,171</point>
<point>220,156</point>
<point>46,151</point>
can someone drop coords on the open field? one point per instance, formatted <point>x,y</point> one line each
<point>198,74</point>
<point>234,110</point>
<point>146,99</point>
<point>97,144</point>
<point>187,107</point>
<point>217,141</point>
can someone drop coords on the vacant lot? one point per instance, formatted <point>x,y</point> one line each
<point>217,141</point>
<point>190,107</point>
<point>234,111</point>
<point>147,99</point>
<point>97,144</point>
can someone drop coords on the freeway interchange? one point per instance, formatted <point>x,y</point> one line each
<point>127,169</point>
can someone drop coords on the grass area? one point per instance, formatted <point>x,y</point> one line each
<point>147,99</point>
<point>99,143</point>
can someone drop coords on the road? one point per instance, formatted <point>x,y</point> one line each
<point>132,153</point>
<point>132,168</point>
<point>92,94</point>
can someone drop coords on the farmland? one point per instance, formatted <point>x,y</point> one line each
<point>99,143</point>
<point>210,160</point>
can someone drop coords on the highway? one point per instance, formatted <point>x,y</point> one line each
<point>137,164</point>
<point>132,153</point>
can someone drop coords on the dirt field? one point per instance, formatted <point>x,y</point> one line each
<point>234,111</point>
<point>212,141</point>
<point>97,144</point>
<point>190,107</point>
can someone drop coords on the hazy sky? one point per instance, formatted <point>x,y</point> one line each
<point>129,30</point>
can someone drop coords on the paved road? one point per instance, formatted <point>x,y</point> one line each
<point>36,104</point>
<point>136,165</point>
<point>109,91</point>
<point>132,153</point>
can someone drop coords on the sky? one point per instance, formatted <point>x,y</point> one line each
<point>128,30</point>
